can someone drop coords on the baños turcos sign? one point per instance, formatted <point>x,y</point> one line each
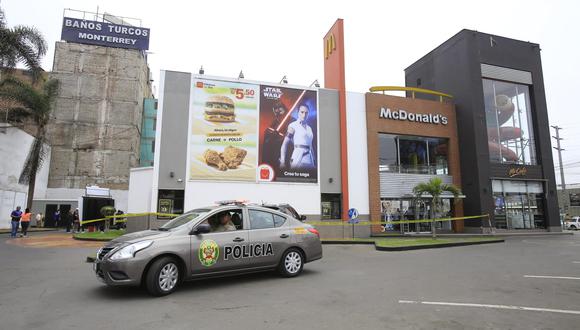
<point>104,34</point>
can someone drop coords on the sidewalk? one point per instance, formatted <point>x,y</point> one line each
<point>30,230</point>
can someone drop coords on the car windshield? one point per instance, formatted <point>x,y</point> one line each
<point>183,219</point>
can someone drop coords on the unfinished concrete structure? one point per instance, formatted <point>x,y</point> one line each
<point>95,132</point>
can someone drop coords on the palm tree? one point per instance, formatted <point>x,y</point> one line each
<point>35,104</point>
<point>21,44</point>
<point>435,187</point>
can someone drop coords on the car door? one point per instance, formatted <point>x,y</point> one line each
<point>212,252</point>
<point>269,237</point>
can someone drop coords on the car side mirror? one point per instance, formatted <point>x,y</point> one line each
<point>203,228</point>
<point>302,217</point>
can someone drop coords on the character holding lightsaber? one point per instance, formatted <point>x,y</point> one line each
<point>300,134</point>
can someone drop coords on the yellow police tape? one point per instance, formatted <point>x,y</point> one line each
<point>123,217</point>
<point>315,223</point>
<point>366,223</point>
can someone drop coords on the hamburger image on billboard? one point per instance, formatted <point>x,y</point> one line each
<point>223,121</point>
<point>219,108</point>
<point>288,135</point>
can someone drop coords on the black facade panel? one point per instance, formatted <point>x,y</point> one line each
<point>455,68</point>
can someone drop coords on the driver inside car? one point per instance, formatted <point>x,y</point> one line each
<point>224,223</point>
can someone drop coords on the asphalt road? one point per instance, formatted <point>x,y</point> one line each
<point>351,287</point>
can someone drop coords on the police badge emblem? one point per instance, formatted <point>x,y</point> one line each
<point>209,252</point>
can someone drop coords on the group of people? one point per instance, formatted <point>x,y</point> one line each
<point>19,218</point>
<point>70,220</point>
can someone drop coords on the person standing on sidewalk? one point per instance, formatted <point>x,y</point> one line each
<point>76,222</point>
<point>39,220</point>
<point>15,215</point>
<point>56,218</point>
<point>25,222</point>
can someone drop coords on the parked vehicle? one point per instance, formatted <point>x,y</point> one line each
<point>573,224</point>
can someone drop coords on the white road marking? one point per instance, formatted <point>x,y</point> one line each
<point>553,277</point>
<point>509,307</point>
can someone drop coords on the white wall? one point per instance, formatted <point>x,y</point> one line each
<point>304,197</point>
<point>358,174</point>
<point>156,156</point>
<point>121,197</point>
<point>14,147</point>
<point>140,188</point>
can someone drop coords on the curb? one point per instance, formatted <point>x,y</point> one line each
<point>434,246</point>
<point>344,242</point>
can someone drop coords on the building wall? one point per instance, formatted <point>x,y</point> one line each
<point>358,183</point>
<point>95,132</point>
<point>376,125</point>
<point>121,197</point>
<point>14,147</point>
<point>171,143</point>
<point>455,68</point>
<point>139,199</point>
<point>329,146</point>
<point>174,107</point>
<point>565,204</point>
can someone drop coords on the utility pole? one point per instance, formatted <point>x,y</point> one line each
<point>558,138</point>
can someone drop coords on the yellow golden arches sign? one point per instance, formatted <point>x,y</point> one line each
<point>329,45</point>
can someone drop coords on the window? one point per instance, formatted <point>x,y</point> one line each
<point>510,129</point>
<point>574,199</point>
<point>413,154</point>
<point>261,219</point>
<point>153,146</point>
<point>278,220</point>
<point>185,218</point>
<point>388,153</point>
<point>235,218</point>
<point>169,201</point>
<point>330,205</point>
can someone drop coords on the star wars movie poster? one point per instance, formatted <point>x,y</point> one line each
<point>288,135</point>
<point>223,141</point>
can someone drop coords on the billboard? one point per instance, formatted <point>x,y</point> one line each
<point>223,130</point>
<point>104,34</point>
<point>288,135</point>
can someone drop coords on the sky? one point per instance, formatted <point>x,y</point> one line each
<point>270,39</point>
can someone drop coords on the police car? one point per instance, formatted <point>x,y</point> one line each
<point>198,245</point>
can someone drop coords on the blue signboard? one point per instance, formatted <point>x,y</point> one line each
<point>104,34</point>
<point>353,215</point>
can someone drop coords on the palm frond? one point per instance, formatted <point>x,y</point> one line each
<point>51,88</point>
<point>33,162</point>
<point>2,18</point>
<point>32,37</point>
<point>14,89</point>
<point>21,44</point>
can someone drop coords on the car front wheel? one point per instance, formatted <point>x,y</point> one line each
<point>162,277</point>
<point>291,264</point>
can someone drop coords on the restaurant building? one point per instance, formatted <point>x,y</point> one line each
<point>475,116</point>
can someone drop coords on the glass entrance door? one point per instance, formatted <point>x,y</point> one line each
<point>518,205</point>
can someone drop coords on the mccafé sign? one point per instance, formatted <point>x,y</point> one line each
<point>517,171</point>
<point>403,115</point>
